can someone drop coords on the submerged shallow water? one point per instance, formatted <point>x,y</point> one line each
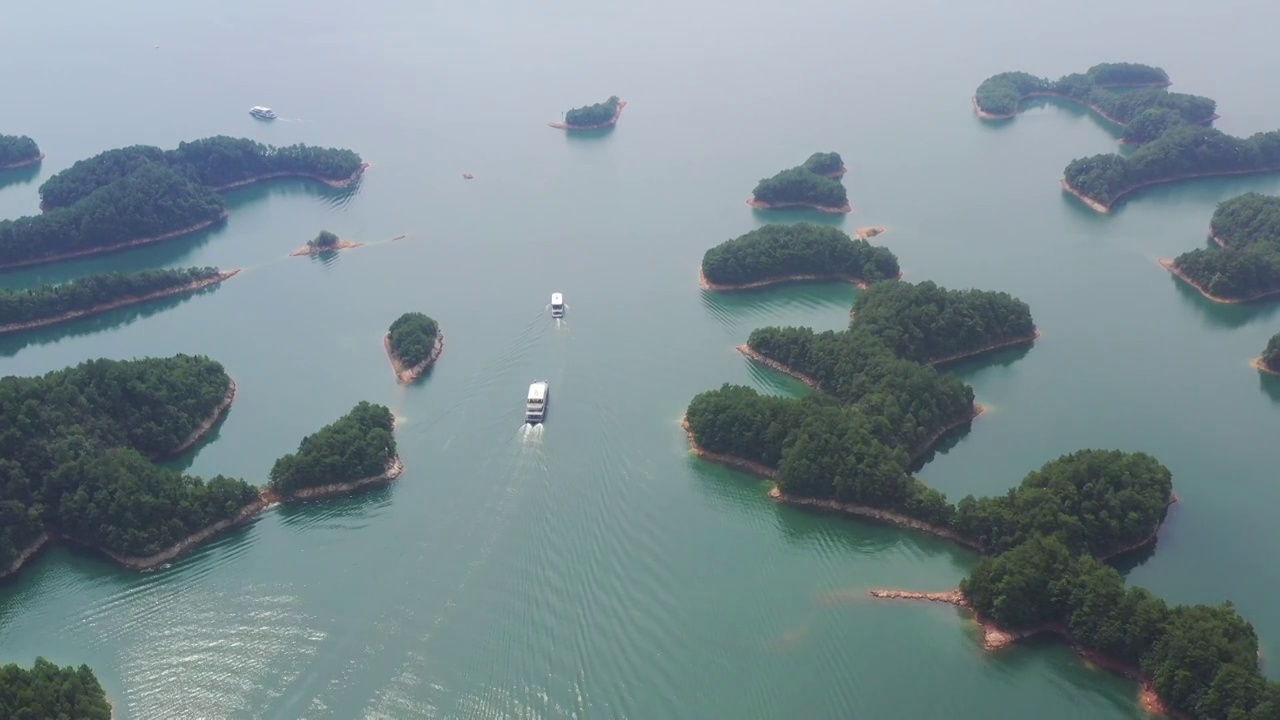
<point>596,569</point>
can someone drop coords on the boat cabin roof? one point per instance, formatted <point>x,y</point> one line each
<point>260,108</point>
<point>557,299</point>
<point>538,391</point>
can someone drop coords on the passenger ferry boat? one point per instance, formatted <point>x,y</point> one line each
<point>557,305</point>
<point>535,408</point>
<point>265,113</point>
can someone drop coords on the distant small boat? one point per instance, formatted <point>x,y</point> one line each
<point>265,113</point>
<point>557,305</point>
<point>467,176</point>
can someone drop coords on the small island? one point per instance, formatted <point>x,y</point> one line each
<point>23,310</point>
<point>1144,108</point>
<point>325,242</point>
<point>776,254</point>
<point>18,151</point>
<point>1242,260</point>
<point>813,185</point>
<point>1269,361</point>
<point>413,343</point>
<point>354,452</point>
<point>593,117</point>
<point>49,691</point>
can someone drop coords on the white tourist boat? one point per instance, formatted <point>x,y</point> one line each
<point>265,113</point>
<point>557,305</point>
<point>535,408</point>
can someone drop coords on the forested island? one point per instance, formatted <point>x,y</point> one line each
<point>355,451</point>
<point>47,691</point>
<point>22,310</point>
<point>76,448</point>
<point>413,343</point>
<point>1243,263</point>
<point>776,254</point>
<point>324,242</point>
<point>18,151</point>
<point>138,195</point>
<point>1182,153</point>
<point>1269,361</point>
<point>593,117</point>
<point>1144,108</point>
<point>814,184</point>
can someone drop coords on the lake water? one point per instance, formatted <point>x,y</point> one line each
<point>598,570</point>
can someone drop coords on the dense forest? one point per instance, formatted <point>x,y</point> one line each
<point>777,251</point>
<point>413,337</point>
<point>72,449</point>
<point>1247,219</point>
<point>49,692</point>
<point>804,185</point>
<point>1249,264</point>
<point>1202,659</point>
<point>47,301</point>
<point>356,446</point>
<point>1184,151</point>
<point>825,163</point>
<point>213,161</point>
<point>324,239</point>
<point>1001,94</point>
<point>927,323</point>
<point>597,114</point>
<point>17,149</point>
<point>1271,353</point>
<point>151,201</point>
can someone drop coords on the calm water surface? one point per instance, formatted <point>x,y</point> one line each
<point>598,571</point>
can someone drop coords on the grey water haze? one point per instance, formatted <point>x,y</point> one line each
<point>600,571</point>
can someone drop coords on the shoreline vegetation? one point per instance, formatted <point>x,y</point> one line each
<point>319,249</point>
<point>706,284</point>
<point>775,254</point>
<point>1172,267</point>
<point>406,375</point>
<point>206,427</point>
<point>829,209</point>
<point>1269,361</point>
<point>1105,208</point>
<point>413,343</point>
<point>814,184</point>
<point>592,117</point>
<point>15,164</point>
<point>188,288</point>
<point>17,151</point>
<point>979,352</point>
<point>339,183</point>
<point>1241,263</point>
<point>117,247</point>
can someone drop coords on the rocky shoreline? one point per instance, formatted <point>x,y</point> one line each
<point>339,183</point>
<point>407,375</point>
<point>1105,208</point>
<point>561,125</point>
<point>984,350</point>
<point>706,284</point>
<point>118,246</point>
<point>775,365</point>
<point>205,427</point>
<point>151,562</point>
<point>984,115</point>
<point>393,470</point>
<point>23,163</point>
<point>1177,272</point>
<point>318,249</point>
<point>1258,364</point>
<point>762,205</point>
<point>27,553</point>
<point>123,302</point>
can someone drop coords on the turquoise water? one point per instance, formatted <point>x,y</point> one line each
<point>599,570</point>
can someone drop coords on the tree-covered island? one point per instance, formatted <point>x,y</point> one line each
<point>593,117</point>
<point>47,691</point>
<point>815,184</point>
<point>355,451</point>
<point>22,310</point>
<point>138,195</point>
<point>413,343</point>
<point>776,254</point>
<point>1269,361</point>
<point>1127,94</point>
<point>324,242</point>
<point>1242,261</point>
<point>18,151</point>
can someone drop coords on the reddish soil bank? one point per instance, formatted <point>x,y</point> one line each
<point>1105,208</point>
<point>706,284</point>
<point>775,365</point>
<point>122,302</point>
<point>866,233</point>
<point>22,163</point>
<point>1101,113</point>
<point>1258,364</point>
<point>117,247</point>
<point>406,375</point>
<point>617,113</point>
<point>339,183</point>
<point>316,250</point>
<point>26,554</point>
<point>205,427</point>
<point>1171,267</point>
<point>761,205</point>
<point>985,349</point>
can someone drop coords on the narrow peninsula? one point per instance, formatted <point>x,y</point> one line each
<point>814,185</point>
<point>413,343</point>
<point>324,242</point>
<point>776,254</point>
<point>18,151</point>
<point>1241,262</point>
<point>23,310</point>
<point>138,195</point>
<point>49,691</point>
<point>354,452</point>
<point>593,117</point>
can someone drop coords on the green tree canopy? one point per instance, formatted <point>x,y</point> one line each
<point>49,692</point>
<point>597,114</point>
<point>413,337</point>
<point>86,293</point>
<point>16,149</point>
<point>356,446</point>
<point>778,251</point>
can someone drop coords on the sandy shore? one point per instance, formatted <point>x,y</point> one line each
<point>775,365</point>
<point>984,350</point>
<point>761,205</point>
<point>406,375</point>
<point>205,427</point>
<point>560,125</point>
<point>310,250</point>
<point>1171,267</point>
<point>23,163</point>
<point>150,562</point>
<point>1257,364</point>
<point>984,115</point>
<point>339,183</point>
<point>117,247</point>
<point>122,302</point>
<point>1099,111</point>
<point>1106,208</point>
<point>1092,204</point>
<point>393,470</point>
<point>866,233</point>
<point>706,284</point>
